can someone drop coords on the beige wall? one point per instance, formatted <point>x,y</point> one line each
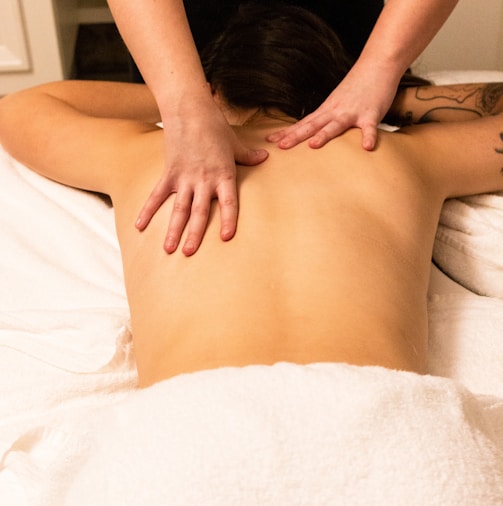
<point>471,39</point>
<point>45,34</point>
<point>37,38</point>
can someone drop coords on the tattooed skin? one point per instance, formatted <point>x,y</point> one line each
<point>452,103</point>
<point>462,99</point>
<point>458,94</point>
<point>457,102</point>
<point>500,150</point>
<point>489,97</point>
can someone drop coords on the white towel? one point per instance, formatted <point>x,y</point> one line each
<point>466,341</point>
<point>469,243</point>
<point>36,391</point>
<point>322,434</point>
<point>60,247</point>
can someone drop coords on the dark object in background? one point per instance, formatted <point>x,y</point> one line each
<point>352,20</point>
<point>100,54</point>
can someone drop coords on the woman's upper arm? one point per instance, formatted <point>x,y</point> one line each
<point>52,137</point>
<point>465,158</point>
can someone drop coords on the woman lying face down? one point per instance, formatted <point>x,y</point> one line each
<point>331,259</point>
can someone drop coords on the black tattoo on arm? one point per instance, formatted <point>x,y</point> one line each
<point>489,97</point>
<point>435,113</point>
<point>458,94</point>
<point>500,150</point>
<point>453,103</point>
<point>461,99</point>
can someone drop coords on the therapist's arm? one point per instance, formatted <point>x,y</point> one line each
<point>201,148</point>
<point>362,99</point>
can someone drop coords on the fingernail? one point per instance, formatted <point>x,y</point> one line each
<point>262,154</point>
<point>170,245</point>
<point>189,248</point>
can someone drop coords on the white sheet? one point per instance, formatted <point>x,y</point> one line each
<point>63,236</point>
<point>65,350</point>
<point>64,336</point>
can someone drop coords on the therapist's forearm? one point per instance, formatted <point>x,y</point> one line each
<point>402,32</point>
<point>158,36</point>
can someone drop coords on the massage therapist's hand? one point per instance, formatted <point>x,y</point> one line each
<point>201,155</point>
<point>360,101</point>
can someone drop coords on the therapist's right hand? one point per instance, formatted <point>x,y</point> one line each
<point>201,152</point>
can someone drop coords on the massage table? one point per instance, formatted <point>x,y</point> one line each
<point>75,429</point>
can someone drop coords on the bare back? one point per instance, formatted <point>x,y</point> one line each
<point>330,263</point>
<point>332,254</point>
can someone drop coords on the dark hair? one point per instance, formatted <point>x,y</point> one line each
<point>280,57</point>
<point>410,80</point>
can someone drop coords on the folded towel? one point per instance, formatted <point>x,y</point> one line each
<point>469,243</point>
<point>462,76</point>
<point>321,434</point>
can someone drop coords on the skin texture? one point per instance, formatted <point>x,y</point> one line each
<point>332,257</point>
<point>201,149</point>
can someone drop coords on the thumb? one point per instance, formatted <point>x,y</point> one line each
<point>250,156</point>
<point>369,137</point>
